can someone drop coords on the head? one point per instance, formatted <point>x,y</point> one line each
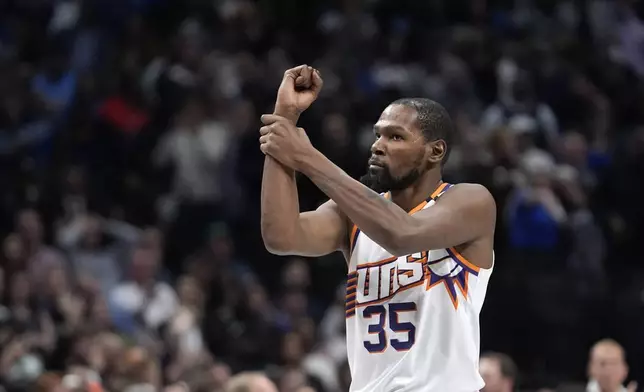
<point>189,292</point>
<point>607,364</point>
<point>13,249</point>
<point>257,298</point>
<point>221,373</point>
<point>574,149</point>
<point>504,146</point>
<point>145,262</point>
<point>412,139</point>
<point>153,237</point>
<point>29,226</point>
<point>499,372</point>
<point>292,348</point>
<point>538,167</point>
<point>250,382</point>
<point>296,274</point>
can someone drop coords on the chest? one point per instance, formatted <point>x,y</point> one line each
<point>377,276</point>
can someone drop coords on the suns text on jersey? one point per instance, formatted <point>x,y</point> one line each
<point>382,279</point>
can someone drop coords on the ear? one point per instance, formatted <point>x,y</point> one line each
<point>436,151</point>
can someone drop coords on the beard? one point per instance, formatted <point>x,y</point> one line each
<point>380,180</point>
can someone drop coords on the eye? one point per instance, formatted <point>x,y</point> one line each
<point>396,137</point>
<point>377,134</point>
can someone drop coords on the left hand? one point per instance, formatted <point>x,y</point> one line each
<point>282,140</point>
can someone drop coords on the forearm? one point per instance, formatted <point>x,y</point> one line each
<point>279,201</point>
<point>379,218</point>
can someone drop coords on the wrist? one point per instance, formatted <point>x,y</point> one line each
<point>291,114</point>
<point>308,161</point>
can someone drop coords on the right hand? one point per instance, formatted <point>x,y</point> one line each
<point>300,87</point>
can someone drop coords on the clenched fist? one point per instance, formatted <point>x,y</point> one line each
<point>300,87</point>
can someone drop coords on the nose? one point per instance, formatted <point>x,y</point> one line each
<point>377,148</point>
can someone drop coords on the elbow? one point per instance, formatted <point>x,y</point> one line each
<point>396,242</point>
<point>396,250</point>
<point>407,238</point>
<point>276,243</point>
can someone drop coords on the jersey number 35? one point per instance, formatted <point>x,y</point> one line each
<point>390,312</point>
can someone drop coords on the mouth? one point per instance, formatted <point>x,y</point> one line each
<point>375,164</point>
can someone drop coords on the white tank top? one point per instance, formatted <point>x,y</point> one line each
<point>413,321</point>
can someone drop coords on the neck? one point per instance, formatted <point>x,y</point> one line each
<point>412,196</point>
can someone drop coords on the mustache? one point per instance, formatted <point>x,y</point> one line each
<point>376,162</point>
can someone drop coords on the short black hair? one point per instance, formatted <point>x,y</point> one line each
<point>506,364</point>
<point>433,120</point>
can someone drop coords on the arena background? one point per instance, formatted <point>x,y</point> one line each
<point>129,156</point>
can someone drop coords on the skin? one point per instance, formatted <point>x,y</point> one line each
<point>252,382</point>
<point>464,217</point>
<point>490,370</point>
<point>608,366</point>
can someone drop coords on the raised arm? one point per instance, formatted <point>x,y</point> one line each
<point>285,230</point>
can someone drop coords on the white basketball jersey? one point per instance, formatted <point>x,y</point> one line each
<point>413,321</point>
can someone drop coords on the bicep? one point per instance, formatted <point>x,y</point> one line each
<point>322,231</point>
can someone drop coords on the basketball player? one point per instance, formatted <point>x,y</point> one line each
<point>419,251</point>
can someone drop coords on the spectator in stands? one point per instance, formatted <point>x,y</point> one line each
<point>607,368</point>
<point>143,304</point>
<point>250,382</point>
<point>535,213</point>
<point>97,248</point>
<point>499,372</point>
<point>40,256</point>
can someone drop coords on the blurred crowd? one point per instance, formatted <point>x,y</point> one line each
<point>131,256</point>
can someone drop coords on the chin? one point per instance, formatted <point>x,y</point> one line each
<point>375,182</point>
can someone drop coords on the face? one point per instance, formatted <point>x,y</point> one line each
<point>400,154</point>
<point>13,248</point>
<point>296,274</point>
<point>490,370</point>
<point>575,149</point>
<point>292,350</point>
<point>189,291</point>
<point>607,366</point>
<point>144,264</point>
<point>30,225</point>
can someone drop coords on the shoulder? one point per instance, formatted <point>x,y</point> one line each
<point>474,198</point>
<point>472,193</point>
